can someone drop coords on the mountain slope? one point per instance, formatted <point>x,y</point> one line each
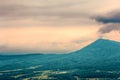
<point>102,45</point>
<point>101,48</point>
<point>101,52</point>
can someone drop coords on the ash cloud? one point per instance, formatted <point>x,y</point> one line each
<point>112,17</point>
<point>111,22</point>
<point>110,27</point>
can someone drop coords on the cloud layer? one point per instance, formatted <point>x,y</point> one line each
<point>54,13</point>
<point>43,12</point>
<point>54,25</point>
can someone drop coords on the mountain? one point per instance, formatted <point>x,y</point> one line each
<point>101,52</point>
<point>101,48</point>
<point>102,56</point>
<point>102,45</point>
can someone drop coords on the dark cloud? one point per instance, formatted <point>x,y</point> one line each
<point>110,27</point>
<point>112,17</point>
<point>111,22</point>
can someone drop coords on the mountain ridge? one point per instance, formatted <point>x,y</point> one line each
<point>99,43</point>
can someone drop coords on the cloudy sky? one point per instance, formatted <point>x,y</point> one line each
<point>56,26</point>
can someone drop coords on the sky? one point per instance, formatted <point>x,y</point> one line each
<point>56,26</point>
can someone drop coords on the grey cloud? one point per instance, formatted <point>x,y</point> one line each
<point>112,17</point>
<point>111,22</point>
<point>54,14</point>
<point>21,11</point>
<point>13,49</point>
<point>2,46</point>
<point>110,27</point>
<point>81,40</point>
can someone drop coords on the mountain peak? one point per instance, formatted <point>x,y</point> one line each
<point>102,39</point>
<point>104,43</point>
<point>100,45</point>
